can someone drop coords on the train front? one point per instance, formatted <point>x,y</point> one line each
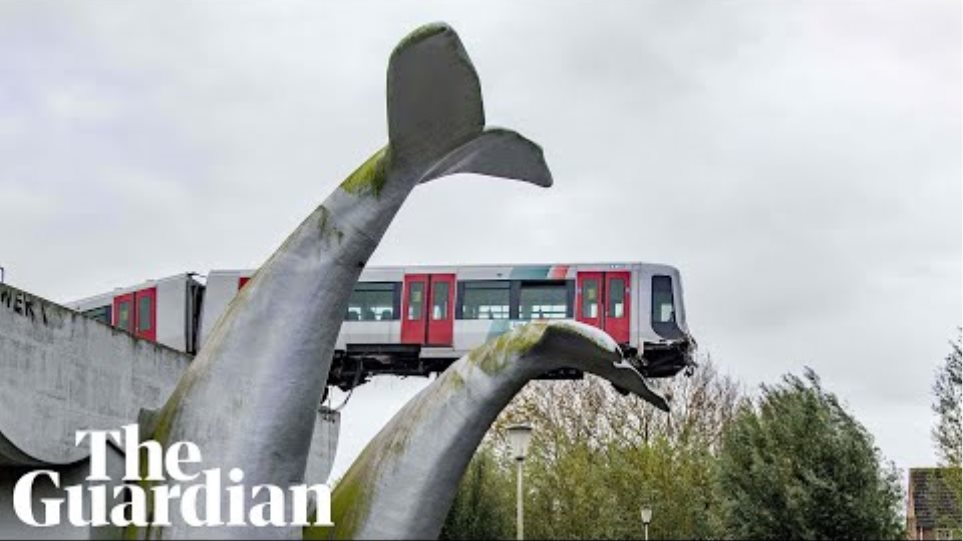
<point>667,347</point>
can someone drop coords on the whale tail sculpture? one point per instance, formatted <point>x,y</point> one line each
<point>249,397</point>
<point>436,115</point>
<point>402,484</point>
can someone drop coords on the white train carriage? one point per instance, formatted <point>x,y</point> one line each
<point>417,320</point>
<point>166,310</point>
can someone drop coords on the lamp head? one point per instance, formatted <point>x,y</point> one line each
<point>646,514</point>
<point>518,437</point>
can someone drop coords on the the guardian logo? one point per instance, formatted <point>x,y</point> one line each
<point>161,485</point>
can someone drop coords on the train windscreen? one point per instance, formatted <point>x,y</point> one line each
<point>663,307</point>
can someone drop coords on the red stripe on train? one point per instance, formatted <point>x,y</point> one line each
<point>558,272</point>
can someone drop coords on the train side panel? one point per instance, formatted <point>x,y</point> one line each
<point>159,309</point>
<point>171,313</point>
<point>374,315</point>
<point>222,286</point>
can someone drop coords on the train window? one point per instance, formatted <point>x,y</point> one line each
<point>543,301</point>
<point>101,314</point>
<point>590,298</point>
<point>372,301</point>
<point>416,298</point>
<point>143,313</point>
<point>486,299</point>
<point>439,301</point>
<point>123,315</point>
<point>616,297</point>
<point>663,309</point>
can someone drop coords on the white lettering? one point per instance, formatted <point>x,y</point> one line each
<point>129,505</point>
<point>98,451</point>
<point>132,456</point>
<point>132,512</point>
<point>321,501</point>
<point>23,500</point>
<point>173,462</point>
<point>274,506</point>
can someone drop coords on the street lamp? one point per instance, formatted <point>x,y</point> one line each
<point>646,519</point>
<point>518,438</point>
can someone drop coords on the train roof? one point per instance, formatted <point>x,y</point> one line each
<point>127,289</point>
<point>608,265</point>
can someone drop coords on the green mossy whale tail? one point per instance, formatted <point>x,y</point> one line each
<point>402,484</point>
<point>248,399</point>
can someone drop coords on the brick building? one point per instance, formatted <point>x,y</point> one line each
<point>933,504</point>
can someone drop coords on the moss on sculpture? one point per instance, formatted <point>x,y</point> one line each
<point>350,506</point>
<point>350,500</point>
<point>371,176</point>
<point>327,228</point>
<point>452,381</point>
<point>494,355</point>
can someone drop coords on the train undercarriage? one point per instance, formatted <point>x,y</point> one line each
<point>358,363</point>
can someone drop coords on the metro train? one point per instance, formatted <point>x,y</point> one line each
<point>417,320</point>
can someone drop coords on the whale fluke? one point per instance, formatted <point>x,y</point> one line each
<point>434,96</point>
<point>403,482</point>
<point>436,114</point>
<point>498,153</point>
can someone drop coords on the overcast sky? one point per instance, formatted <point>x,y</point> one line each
<point>800,163</point>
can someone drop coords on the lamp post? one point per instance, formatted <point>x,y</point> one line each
<point>518,438</point>
<point>646,519</point>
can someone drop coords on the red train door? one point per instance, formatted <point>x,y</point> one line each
<point>413,308</point>
<point>602,299</point>
<point>124,312</point>
<point>427,309</point>
<point>136,313</point>
<point>617,305</point>
<point>441,317</point>
<point>588,298</point>
<point>145,313</point>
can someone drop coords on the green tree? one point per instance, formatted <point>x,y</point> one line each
<point>947,390</point>
<point>946,434</point>
<point>796,465</point>
<point>484,505</point>
<point>597,456</point>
